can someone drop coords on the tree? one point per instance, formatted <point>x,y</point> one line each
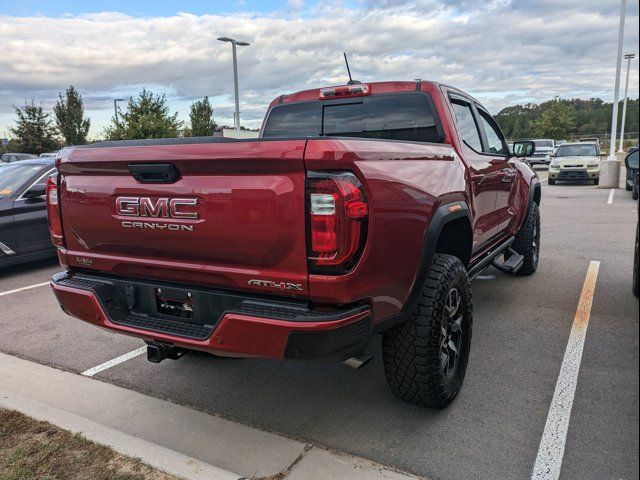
<point>590,117</point>
<point>557,119</point>
<point>34,131</point>
<point>147,116</point>
<point>69,112</point>
<point>201,116</point>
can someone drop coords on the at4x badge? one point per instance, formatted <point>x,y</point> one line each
<point>275,285</point>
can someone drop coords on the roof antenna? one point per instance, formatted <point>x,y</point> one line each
<point>351,80</point>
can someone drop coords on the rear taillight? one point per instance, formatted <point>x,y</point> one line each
<point>53,213</point>
<point>337,221</point>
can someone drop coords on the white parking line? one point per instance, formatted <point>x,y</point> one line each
<point>610,200</point>
<point>551,450</point>
<point>9,292</point>
<point>116,361</point>
<point>543,180</point>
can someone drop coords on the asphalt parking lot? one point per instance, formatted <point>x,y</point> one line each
<point>493,429</point>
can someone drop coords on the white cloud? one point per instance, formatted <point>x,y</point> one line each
<point>501,53</point>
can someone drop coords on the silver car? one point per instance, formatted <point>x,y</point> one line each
<point>545,148</point>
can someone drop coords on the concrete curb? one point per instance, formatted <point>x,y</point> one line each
<point>176,439</point>
<point>158,457</point>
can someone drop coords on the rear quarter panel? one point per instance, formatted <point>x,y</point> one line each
<point>405,183</point>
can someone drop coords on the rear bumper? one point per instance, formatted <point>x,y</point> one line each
<point>243,326</point>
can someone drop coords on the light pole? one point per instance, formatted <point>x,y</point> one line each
<point>115,107</point>
<point>234,43</point>
<point>628,57</point>
<point>610,168</point>
<point>616,94</point>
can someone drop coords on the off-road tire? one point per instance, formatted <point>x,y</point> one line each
<point>552,182</point>
<point>527,242</point>
<point>413,352</point>
<point>596,181</point>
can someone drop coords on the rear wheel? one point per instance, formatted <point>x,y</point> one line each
<point>596,181</point>
<point>552,181</point>
<point>425,358</point>
<point>527,242</point>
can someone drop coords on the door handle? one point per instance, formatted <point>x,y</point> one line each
<point>154,172</point>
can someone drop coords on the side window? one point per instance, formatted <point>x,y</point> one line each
<point>42,181</point>
<point>467,124</point>
<point>494,136</point>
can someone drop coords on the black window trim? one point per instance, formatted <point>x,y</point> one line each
<point>505,147</point>
<point>434,111</point>
<point>453,98</point>
<point>475,107</point>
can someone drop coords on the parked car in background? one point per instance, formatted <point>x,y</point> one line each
<point>544,150</point>
<point>575,161</point>
<point>632,183</point>
<point>24,234</point>
<point>16,157</point>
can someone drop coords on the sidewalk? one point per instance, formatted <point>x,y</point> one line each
<point>181,441</point>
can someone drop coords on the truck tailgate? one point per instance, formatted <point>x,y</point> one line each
<point>233,217</point>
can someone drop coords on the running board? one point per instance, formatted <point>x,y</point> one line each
<point>511,264</point>
<point>478,267</point>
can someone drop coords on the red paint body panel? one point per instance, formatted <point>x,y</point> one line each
<point>251,211</point>
<point>252,218</point>
<point>404,183</point>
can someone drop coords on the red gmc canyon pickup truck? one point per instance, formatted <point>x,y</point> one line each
<point>362,209</point>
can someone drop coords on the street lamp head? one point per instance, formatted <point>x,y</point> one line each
<point>630,55</point>
<point>231,40</point>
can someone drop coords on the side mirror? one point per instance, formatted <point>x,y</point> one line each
<point>523,149</point>
<point>631,160</point>
<point>36,191</point>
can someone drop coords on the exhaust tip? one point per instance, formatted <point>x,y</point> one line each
<point>357,362</point>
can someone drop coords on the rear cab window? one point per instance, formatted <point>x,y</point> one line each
<point>405,116</point>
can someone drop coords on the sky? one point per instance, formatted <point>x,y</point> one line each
<point>503,52</point>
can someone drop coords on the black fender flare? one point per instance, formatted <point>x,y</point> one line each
<point>444,214</point>
<point>533,186</point>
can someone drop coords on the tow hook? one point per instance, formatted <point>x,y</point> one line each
<point>156,352</point>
